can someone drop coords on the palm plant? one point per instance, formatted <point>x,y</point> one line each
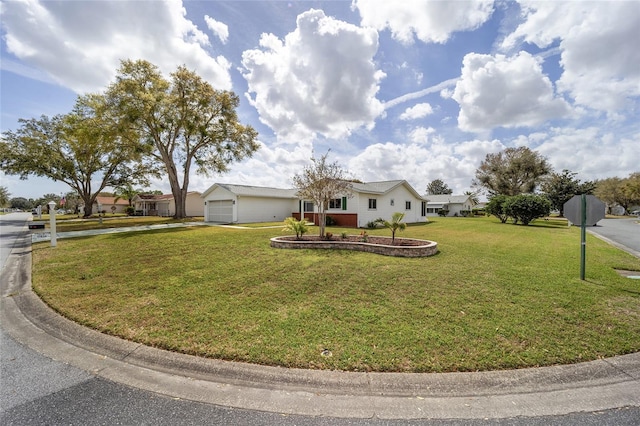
<point>396,224</point>
<point>298,226</point>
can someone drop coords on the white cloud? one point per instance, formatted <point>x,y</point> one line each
<point>428,21</point>
<point>500,91</point>
<point>321,79</point>
<point>599,45</point>
<point>416,112</point>
<point>220,29</point>
<point>80,44</point>
<point>427,157</point>
<point>590,152</point>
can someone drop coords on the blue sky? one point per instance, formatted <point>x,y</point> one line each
<point>413,90</point>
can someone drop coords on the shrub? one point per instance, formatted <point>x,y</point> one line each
<point>298,226</point>
<point>443,212</point>
<point>343,235</point>
<point>329,221</point>
<point>527,207</point>
<point>496,207</point>
<point>374,223</point>
<point>328,236</point>
<point>130,210</point>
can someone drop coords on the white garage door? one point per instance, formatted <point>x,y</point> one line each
<point>220,211</point>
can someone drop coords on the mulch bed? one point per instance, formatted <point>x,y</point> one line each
<point>359,239</point>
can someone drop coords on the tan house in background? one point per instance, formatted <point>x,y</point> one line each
<point>164,204</point>
<point>109,205</point>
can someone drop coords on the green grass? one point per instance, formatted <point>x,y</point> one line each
<point>497,296</point>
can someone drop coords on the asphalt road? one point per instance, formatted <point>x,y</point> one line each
<point>37,390</point>
<point>623,233</point>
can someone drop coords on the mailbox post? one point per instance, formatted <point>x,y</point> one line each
<point>52,223</point>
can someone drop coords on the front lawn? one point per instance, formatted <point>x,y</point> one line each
<point>497,296</point>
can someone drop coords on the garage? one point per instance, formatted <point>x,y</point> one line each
<point>220,211</point>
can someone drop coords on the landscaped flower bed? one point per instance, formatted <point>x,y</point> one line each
<point>401,247</point>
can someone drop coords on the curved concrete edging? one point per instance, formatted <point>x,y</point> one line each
<point>592,386</point>
<point>428,249</point>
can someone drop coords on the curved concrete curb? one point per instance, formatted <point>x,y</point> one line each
<point>592,386</point>
<point>429,248</point>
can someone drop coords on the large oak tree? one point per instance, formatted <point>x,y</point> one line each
<point>183,121</point>
<point>513,171</point>
<point>82,149</point>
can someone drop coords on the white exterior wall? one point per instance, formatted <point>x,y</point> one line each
<point>458,207</point>
<point>385,210</point>
<point>261,209</point>
<point>248,209</point>
<point>221,194</point>
<point>352,206</point>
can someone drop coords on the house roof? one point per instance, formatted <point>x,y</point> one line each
<point>383,187</point>
<point>159,197</point>
<point>446,199</point>
<point>253,191</point>
<point>260,191</point>
<point>111,200</point>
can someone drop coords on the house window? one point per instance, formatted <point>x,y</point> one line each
<point>335,203</point>
<point>423,211</point>
<point>392,202</point>
<point>407,205</point>
<point>432,210</point>
<point>308,206</point>
<point>373,203</point>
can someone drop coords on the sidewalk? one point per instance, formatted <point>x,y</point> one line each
<point>37,237</point>
<point>593,386</point>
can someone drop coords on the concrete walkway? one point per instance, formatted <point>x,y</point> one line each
<point>593,386</point>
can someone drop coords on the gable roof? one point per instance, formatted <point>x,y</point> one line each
<point>253,191</point>
<point>384,187</point>
<point>380,188</point>
<point>111,200</point>
<point>446,199</point>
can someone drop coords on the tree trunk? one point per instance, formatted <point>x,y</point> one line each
<point>88,205</point>
<point>179,198</point>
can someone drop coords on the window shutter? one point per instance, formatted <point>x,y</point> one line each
<point>344,203</point>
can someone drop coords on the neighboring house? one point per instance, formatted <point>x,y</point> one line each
<point>454,204</point>
<point>164,204</point>
<point>107,205</point>
<point>225,203</point>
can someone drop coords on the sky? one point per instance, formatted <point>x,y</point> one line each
<point>413,90</point>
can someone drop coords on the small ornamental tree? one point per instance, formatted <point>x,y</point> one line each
<point>527,207</point>
<point>396,224</point>
<point>495,207</point>
<point>321,182</point>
